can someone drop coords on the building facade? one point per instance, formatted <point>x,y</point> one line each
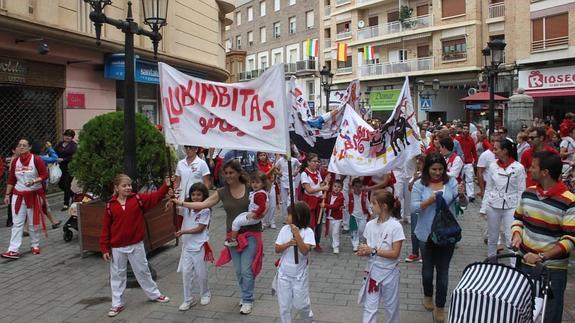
<point>54,77</point>
<point>271,32</point>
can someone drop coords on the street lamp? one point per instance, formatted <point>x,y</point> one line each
<point>326,78</point>
<point>495,49</point>
<point>155,12</point>
<point>426,94</point>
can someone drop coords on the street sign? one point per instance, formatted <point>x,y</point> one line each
<point>425,104</point>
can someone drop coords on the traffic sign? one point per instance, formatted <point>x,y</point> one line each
<point>425,104</point>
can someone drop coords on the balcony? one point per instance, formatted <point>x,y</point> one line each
<point>344,70</point>
<point>306,67</point>
<point>497,10</point>
<point>250,75</point>
<point>412,65</point>
<point>341,2</point>
<point>454,56</point>
<point>290,68</point>
<point>326,11</point>
<point>544,44</point>
<point>395,27</point>
<point>343,35</point>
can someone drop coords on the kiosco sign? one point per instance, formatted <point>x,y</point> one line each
<point>547,78</point>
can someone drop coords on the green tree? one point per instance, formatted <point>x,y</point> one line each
<point>100,154</point>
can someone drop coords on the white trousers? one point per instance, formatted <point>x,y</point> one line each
<point>242,220</point>
<point>136,255</point>
<point>468,177</point>
<point>358,234</point>
<point>496,218</point>
<point>388,296</point>
<point>294,292</point>
<point>268,219</point>
<point>346,214</point>
<point>334,228</point>
<point>194,268</point>
<point>403,194</point>
<point>285,201</point>
<point>18,220</point>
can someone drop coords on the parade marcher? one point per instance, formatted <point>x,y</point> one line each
<point>470,153</point>
<point>27,198</point>
<point>334,205</point>
<point>454,162</point>
<point>291,281</point>
<point>259,199</point>
<point>282,166</point>
<point>360,211</point>
<point>567,124</point>
<point>313,188</point>
<point>66,150</point>
<point>567,150</point>
<point>505,184</point>
<point>544,227</point>
<point>433,146</point>
<point>522,144</point>
<point>538,142</point>
<point>384,236</point>
<point>403,174</point>
<point>503,133</point>
<point>267,167</point>
<point>196,251</point>
<point>189,171</point>
<point>49,157</point>
<point>122,240</point>
<point>435,183</point>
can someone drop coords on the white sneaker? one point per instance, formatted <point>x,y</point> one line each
<point>205,300</point>
<point>186,305</point>
<point>336,250</point>
<point>273,226</point>
<point>246,309</point>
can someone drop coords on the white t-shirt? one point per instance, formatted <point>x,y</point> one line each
<point>485,159</point>
<point>382,236</point>
<point>569,144</point>
<point>287,265</point>
<point>357,207</point>
<point>192,219</point>
<point>305,179</point>
<point>282,164</point>
<point>190,174</point>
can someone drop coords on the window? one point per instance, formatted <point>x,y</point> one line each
<point>250,13</point>
<point>277,58</point>
<point>250,38</point>
<point>277,5</point>
<point>263,62</point>
<point>277,29</point>
<point>238,42</point>
<point>454,49</point>
<point>309,19</point>
<point>263,35</point>
<point>293,55</point>
<point>450,8</point>
<point>228,45</point>
<point>291,2</point>
<point>310,85</point>
<point>550,31</point>
<point>292,25</point>
<point>238,18</point>
<point>262,8</point>
<point>251,64</point>
<point>345,64</point>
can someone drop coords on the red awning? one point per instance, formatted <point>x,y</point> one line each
<point>568,91</point>
<point>482,97</point>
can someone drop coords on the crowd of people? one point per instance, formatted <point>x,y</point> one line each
<point>524,188</point>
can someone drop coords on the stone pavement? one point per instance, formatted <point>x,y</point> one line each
<point>60,286</point>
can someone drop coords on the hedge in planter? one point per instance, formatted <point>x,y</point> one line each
<point>100,154</point>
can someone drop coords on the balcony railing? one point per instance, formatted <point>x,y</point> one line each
<point>344,70</point>
<point>360,2</point>
<point>497,10</point>
<point>250,75</point>
<point>395,27</point>
<point>326,11</point>
<point>539,45</point>
<point>327,43</point>
<point>340,2</point>
<point>343,35</point>
<point>454,56</point>
<point>290,68</point>
<point>306,65</point>
<point>412,65</point>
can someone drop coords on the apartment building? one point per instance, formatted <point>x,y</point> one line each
<point>270,32</point>
<point>53,76</point>
<point>541,35</point>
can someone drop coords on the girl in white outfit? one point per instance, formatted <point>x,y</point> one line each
<point>196,250</point>
<point>505,184</point>
<point>282,166</point>
<point>384,236</point>
<point>291,280</point>
<point>256,209</point>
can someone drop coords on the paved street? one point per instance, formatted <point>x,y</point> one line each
<point>59,286</point>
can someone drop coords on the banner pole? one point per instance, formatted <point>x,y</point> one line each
<point>292,197</point>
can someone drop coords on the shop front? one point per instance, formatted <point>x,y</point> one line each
<point>477,109</point>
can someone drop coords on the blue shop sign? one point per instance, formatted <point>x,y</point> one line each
<point>144,71</point>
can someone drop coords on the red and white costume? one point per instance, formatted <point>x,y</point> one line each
<point>334,204</point>
<point>454,166</point>
<point>360,209</point>
<point>312,200</point>
<point>258,201</point>
<point>284,180</point>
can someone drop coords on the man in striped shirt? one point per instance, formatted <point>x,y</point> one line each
<point>544,226</point>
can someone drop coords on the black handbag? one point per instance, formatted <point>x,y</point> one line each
<point>444,230</point>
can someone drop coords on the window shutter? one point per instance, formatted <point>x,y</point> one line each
<point>451,8</point>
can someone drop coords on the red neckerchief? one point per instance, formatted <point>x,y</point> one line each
<point>25,158</point>
<point>265,168</point>
<point>557,189</point>
<point>314,176</point>
<point>436,180</point>
<point>503,165</point>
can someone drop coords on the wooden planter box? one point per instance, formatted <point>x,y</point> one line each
<point>159,226</point>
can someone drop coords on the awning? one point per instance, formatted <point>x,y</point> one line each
<point>568,91</point>
<point>482,97</point>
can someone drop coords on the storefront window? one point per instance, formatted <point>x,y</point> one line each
<point>146,100</point>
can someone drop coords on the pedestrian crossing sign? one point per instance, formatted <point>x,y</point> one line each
<point>425,104</point>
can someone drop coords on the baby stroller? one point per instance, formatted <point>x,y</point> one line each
<point>72,222</point>
<point>491,292</point>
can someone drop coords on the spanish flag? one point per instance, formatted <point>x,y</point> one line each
<point>341,52</point>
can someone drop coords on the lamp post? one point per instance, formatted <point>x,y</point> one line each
<point>155,12</point>
<point>326,78</point>
<point>495,49</point>
<point>424,93</point>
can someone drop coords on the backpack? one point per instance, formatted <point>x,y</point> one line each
<point>444,230</point>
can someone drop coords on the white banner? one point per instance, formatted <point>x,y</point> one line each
<point>361,150</point>
<point>245,116</point>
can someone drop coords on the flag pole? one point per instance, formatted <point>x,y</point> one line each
<point>292,195</point>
